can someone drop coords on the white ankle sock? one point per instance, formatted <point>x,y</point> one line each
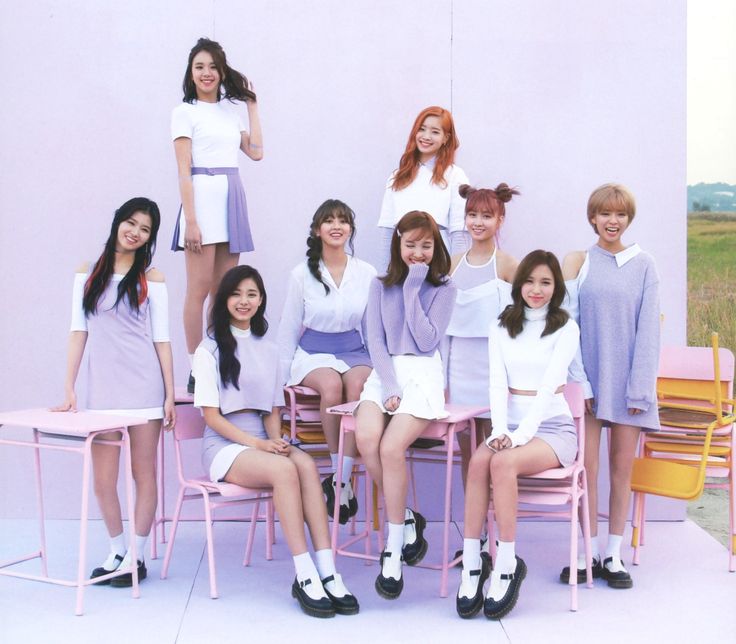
<point>347,468</point>
<point>394,544</point>
<point>471,554</point>
<point>613,550</point>
<point>325,562</point>
<point>140,546</point>
<point>505,557</point>
<point>117,545</point>
<point>410,529</point>
<point>191,360</point>
<point>333,461</point>
<point>307,576</point>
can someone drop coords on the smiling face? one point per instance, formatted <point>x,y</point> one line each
<point>430,138</point>
<point>538,288</point>
<point>133,232</point>
<point>206,77</point>
<point>417,247</point>
<point>334,230</point>
<point>243,303</point>
<point>610,224</point>
<point>482,225</point>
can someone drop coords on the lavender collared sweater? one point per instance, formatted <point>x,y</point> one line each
<point>619,337</point>
<point>408,319</point>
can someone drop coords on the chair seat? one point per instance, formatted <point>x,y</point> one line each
<point>229,490</point>
<point>659,476</point>
<point>695,448</point>
<point>678,417</point>
<point>554,473</point>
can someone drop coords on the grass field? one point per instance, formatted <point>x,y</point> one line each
<point>711,278</point>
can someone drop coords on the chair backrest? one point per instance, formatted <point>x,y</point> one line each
<point>576,402</point>
<point>189,423</point>
<point>301,415</point>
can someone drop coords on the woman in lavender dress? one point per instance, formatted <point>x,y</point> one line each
<point>407,316</point>
<point>615,288</point>
<point>120,316</point>
<point>240,394</point>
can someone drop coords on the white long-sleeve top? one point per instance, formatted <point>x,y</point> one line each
<point>445,204</point>
<point>529,362</point>
<point>307,305</point>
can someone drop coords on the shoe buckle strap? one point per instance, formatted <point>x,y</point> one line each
<point>409,521</point>
<point>304,583</point>
<point>327,580</point>
<point>508,577</point>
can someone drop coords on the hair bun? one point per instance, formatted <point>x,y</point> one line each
<point>465,190</point>
<point>504,192</point>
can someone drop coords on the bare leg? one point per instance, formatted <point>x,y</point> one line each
<point>506,466</point>
<point>200,280</point>
<point>369,427</point>
<point>482,430</point>
<point>254,468</point>
<point>402,431</point>
<point>477,492</point>
<point>224,261</point>
<point>143,449</point>
<point>624,439</point>
<point>329,385</point>
<point>313,505</point>
<point>106,465</point>
<point>353,381</point>
<point>592,457</point>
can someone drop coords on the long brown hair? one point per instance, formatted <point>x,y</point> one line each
<point>409,164</point>
<point>512,318</point>
<point>233,84</point>
<point>439,267</point>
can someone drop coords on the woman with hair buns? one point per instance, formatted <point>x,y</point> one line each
<point>427,179</point>
<point>321,336</point>
<point>212,227</point>
<point>482,277</point>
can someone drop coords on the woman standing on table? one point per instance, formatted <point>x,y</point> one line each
<point>407,315</point>
<point>212,227</point>
<point>321,335</point>
<point>240,394</point>
<point>120,316</point>
<point>530,349</point>
<point>427,180</point>
<point>616,290</point>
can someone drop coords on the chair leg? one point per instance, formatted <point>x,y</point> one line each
<point>732,520</point>
<point>636,524</point>
<point>210,546</point>
<point>583,503</point>
<point>251,533</point>
<point>574,553</point>
<point>172,536</point>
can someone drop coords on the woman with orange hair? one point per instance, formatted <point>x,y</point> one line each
<point>427,180</point>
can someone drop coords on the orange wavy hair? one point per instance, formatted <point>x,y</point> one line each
<point>409,164</point>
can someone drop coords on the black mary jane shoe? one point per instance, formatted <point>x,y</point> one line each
<point>493,609</point>
<point>190,384</point>
<point>345,605</point>
<point>468,607</point>
<point>321,607</point>
<point>414,552</point>
<point>346,511</point>
<point>620,579</point>
<point>101,571</point>
<point>126,580</point>
<point>388,587</point>
<point>582,574</point>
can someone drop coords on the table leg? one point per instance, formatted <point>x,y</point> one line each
<point>83,515</point>
<point>41,510</point>
<point>131,511</point>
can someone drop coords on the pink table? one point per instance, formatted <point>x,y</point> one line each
<point>460,419</point>
<point>66,429</point>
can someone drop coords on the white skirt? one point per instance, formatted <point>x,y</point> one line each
<point>210,205</point>
<point>304,363</point>
<point>422,383</point>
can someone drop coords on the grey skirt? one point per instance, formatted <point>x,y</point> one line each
<point>218,453</point>
<point>559,433</point>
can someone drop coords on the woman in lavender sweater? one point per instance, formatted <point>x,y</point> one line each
<point>120,317</point>
<point>616,290</point>
<point>407,316</point>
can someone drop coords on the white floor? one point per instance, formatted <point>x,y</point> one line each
<point>683,592</point>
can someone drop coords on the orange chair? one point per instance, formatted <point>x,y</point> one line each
<point>561,487</point>
<point>695,395</point>
<point>301,423</point>
<point>190,427</point>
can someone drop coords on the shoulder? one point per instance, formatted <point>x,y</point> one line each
<point>572,264</point>
<point>506,266</point>
<point>208,345</point>
<point>155,275</point>
<point>456,174</point>
<point>299,271</point>
<point>570,327</point>
<point>363,266</point>
<point>83,267</point>
<point>455,262</point>
<point>183,109</point>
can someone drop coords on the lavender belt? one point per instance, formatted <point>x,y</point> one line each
<point>238,228</point>
<point>346,346</point>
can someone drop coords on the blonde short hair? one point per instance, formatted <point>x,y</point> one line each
<point>611,195</point>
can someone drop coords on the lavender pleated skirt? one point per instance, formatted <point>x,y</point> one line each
<point>559,433</point>
<point>238,228</point>
<point>218,453</point>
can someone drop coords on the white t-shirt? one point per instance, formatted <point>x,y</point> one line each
<point>214,129</point>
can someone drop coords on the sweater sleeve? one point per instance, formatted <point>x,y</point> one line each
<point>554,375</point>
<point>377,347</point>
<point>499,384</point>
<point>428,327</point>
<point>641,386</point>
<point>290,326</point>
<point>576,372</point>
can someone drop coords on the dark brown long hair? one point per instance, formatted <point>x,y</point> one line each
<point>314,243</point>
<point>233,84</point>
<point>512,318</point>
<point>439,267</point>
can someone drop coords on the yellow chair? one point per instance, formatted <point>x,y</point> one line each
<point>695,396</point>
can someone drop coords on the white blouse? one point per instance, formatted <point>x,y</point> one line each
<point>307,305</point>
<point>529,362</point>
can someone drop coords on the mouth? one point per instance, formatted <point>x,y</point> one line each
<point>131,240</point>
<point>612,230</point>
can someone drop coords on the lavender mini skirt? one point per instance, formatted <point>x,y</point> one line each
<point>218,453</point>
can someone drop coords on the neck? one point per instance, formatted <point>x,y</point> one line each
<point>481,250</point>
<point>123,261</point>
<point>611,247</point>
<point>206,99</point>
<point>425,157</point>
<point>243,325</point>
<point>332,256</point>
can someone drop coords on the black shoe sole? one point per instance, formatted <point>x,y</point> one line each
<point>623,582</point>
<point>99,572</point>
<point>498,614</point>
<point>311,610</point>
<point>389,594</point>
<point>126,580</point>
<point>582,574</point>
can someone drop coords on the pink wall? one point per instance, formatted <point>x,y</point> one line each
<point>554,97</point>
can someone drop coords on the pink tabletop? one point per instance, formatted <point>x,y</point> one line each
<point>182,396</point>
<point>79,423</point>
<point>456,413</point>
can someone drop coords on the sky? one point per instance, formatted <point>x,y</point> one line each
<point>711,91</point>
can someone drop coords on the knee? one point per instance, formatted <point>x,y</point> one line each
<point>479,466</point>
<point>285,476</point>
<point>331,391</point>
<point>391,454</point>
<point>502,466</point>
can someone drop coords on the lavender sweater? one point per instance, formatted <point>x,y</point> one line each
<point>619,336</point>
<point>408,319</point>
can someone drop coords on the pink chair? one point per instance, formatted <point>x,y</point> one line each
<point>561,487</point>
<point>442,431</point>
<point>190,427</point>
